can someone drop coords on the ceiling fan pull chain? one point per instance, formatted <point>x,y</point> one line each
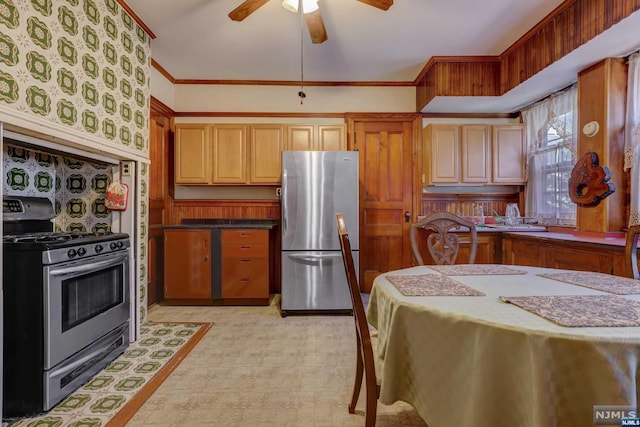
<point>301,94</point>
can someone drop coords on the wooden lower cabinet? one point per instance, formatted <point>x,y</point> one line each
<point>538,251</point>
<point>187,264</point>
<point>488,251</point>
<point>245,264</point>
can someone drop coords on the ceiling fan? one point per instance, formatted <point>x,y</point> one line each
<point>313,18</point>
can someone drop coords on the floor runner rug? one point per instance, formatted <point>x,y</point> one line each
<point>112,397</point>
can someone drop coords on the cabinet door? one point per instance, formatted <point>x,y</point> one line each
<point>229,157</point>
<point>267,142</point>
<point>187,264</point>
<point>475,154</point>
<point>441,156</point>
<point>300,138</point>
<point>157,157</point>
<point>331,138</point>
<point>192,154</point>
<point>509,154</point>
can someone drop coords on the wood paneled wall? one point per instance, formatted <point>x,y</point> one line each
<point>205,209</point>
<point>602,95</point>
<point>458,76</point>
<point>568,27</point>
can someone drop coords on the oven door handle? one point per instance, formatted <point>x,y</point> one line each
<point>88,267</point>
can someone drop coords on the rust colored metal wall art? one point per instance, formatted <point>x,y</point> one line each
<point>589,182</point>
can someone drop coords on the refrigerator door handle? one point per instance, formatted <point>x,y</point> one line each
<point>283,200</point>
<point>316,259</point>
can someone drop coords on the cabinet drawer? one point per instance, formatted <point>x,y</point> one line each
<point>245,278</point>
<point>246,250</point>
<point>245,236</point>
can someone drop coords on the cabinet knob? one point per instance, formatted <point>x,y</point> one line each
<point>206,258</point>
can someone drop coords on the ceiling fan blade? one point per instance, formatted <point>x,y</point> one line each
<point>246,9</point>
<point>316,26</point>
<point>380,4</point>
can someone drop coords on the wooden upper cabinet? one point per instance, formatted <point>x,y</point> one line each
<point>475,155</point>
<point>509,152</point>
<point>245,154</point>
<point>331,138</point>
<point>229,154</point>
<point>267,143</point>
<point>441,154</point>
<point>316,137</point>
<point>192,154</point>
<point>300,138</point>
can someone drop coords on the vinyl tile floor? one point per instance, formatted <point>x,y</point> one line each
<point>254,368</point>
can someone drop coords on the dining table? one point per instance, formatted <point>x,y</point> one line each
<point>506,345</point>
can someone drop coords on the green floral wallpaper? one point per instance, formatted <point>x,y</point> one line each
<point>77,188</point>
<point>82,66</point>
<point>78,63</point>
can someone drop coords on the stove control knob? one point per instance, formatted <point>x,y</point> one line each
<point>82,251</point>
<point>71,253</point>
<point>99,248</point>
<point>120,245</point>
<point>113,246</point>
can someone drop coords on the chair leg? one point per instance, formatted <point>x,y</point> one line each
<point>372,407</point>
<point>372,394</point>
<point>358,380</point>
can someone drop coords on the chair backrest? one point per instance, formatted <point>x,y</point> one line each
<point>443,242</point>
<point>631,251</point>
<point>363,337</point>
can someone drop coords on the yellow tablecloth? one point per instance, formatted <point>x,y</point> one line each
<point>470,361</point>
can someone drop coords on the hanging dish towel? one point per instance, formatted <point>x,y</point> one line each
<point>117,195</point>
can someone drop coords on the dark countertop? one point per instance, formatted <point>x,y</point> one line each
<point>226,223</point>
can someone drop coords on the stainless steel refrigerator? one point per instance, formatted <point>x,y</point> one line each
<point>315,186</point>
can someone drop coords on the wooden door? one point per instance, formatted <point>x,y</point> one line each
<point>331,138</point>
<point>509,154</point>
<point>442,154</point>
<point>229,157</point>
<point>158,191</point>
<point>389,190</point>
<point>475,154</point>
<point>191,153</point>
<point>267,142</point>
<point>187,266</point>
<point>300,137</point>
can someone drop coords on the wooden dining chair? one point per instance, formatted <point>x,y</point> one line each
<point>365,361</point>
<point>443,242</point>
<point>631,251</point>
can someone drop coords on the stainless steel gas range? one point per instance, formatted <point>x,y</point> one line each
<point>66,305</point>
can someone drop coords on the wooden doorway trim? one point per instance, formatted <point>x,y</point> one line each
<point>381,130</point>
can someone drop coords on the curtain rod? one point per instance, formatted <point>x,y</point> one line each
<point>551,95</point>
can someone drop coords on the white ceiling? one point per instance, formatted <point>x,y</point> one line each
<point>197,40</point>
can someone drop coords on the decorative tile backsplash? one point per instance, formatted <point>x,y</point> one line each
<point>77,188</point>
<point>82,64</point>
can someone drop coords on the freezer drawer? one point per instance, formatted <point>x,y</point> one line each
<point>314,281</point>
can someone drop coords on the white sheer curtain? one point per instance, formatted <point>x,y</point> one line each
<point>551,134</point>
<point>632,136</point>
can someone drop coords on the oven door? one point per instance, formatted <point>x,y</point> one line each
<point>84,300</point>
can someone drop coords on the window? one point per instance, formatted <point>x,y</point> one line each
<point>551,154</point>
